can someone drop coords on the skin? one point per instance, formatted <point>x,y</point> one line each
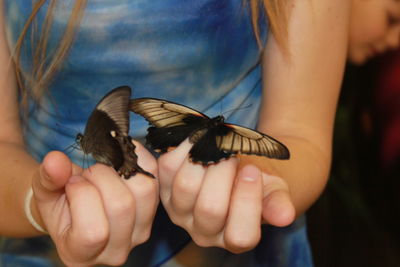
<point>288,187</point>
<point>235,196</point>
<point>374,28</point>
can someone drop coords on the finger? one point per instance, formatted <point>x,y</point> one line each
<point>119,207</point>
<point>145,159</point>
<point>145,193</point>
<point>278,208</point>
<point>243,229</point>
<point>185,189</point>
<point>212,205</point>
<point>48,187</point>
<point>89,230</point>
<point>52,176</point>
<point>168,165</point>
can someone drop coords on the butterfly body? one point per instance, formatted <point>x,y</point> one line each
<point>106,134</point>
<point>212,138</point>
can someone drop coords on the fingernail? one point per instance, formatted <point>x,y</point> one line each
<point>249,178</point>
<point>250,173</point>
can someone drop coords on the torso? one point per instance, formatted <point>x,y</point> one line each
<point>199,53</point>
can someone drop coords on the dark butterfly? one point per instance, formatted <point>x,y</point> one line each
<point>213,139</point>
<point>106,134</point>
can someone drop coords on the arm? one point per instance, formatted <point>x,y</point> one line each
<point>93,216</point>
<point>16,166</point>
<point>301,92</point>
<point>223,205</point>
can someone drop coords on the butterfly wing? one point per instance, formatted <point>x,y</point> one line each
<point>110,114</point>
<point>99,142</point>
<point>205,150</point>
<point>172,122</point>
<point>236,139</point>
<point>212,141</point>
<point>106,133</point>
<point>116,105</point>
<point>162,113</point>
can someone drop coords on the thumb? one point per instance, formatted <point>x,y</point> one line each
<point>278,208</point>
<point>48,185</point>
<point>49,181</point>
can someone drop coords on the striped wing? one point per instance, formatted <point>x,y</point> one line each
<point>115,104</point>
<point>162,113</point>
<point>241,140</point>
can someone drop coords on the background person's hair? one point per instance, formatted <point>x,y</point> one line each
<point>45,65</point>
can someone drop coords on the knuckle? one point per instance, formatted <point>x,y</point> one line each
<point>153,168</point>
<point>184,221</point>
<point>210,211</point>
<point>147,189</point>
<point>125,204</point>
<point>167,165</point>
<point>177,220</point>
<point>186,186</point>
<point>151,188</point>
<point>94,237</point>
<point>143,237</point>
<point>239,243</point>
<point>202,241</point>
<point>118,259</point>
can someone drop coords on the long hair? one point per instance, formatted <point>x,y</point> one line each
<point>44,69</point>
<point>276,11</point>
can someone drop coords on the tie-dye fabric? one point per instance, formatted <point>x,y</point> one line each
<point>200,53</point>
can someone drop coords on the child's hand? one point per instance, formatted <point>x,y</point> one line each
<point>219,206</point>
<point>93,215</point>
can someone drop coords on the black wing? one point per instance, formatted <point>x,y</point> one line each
<point>237,139</point>
<point>172,122</point>
<point>99,141</point>
<point>106,134</point>
<point>206,151</point>
<point>110,115</point>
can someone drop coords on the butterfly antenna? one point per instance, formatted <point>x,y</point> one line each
<point>86,162</point>
<point>236,109</point>
<point>83,160</point>
<point>69,129</point>
<point>69,149</point>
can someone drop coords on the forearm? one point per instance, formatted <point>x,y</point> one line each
<point>301,87</point>
<point>16,171</point>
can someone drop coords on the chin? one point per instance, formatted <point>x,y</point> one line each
<point>357,59</point>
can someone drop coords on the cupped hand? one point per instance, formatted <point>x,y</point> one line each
<point>93,215</point>
<point>222,205</point>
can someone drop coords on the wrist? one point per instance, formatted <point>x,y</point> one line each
<point>32,212</point>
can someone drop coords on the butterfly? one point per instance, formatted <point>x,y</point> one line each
<point>212,138</point>
<point>106,134</point>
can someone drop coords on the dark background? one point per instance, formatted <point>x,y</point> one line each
<point>356,221</point>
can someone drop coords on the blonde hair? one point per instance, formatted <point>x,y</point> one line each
<point>44,69</point>
<point>276,11</point>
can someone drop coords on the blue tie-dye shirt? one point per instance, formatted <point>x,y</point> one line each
<point>200,53</point>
